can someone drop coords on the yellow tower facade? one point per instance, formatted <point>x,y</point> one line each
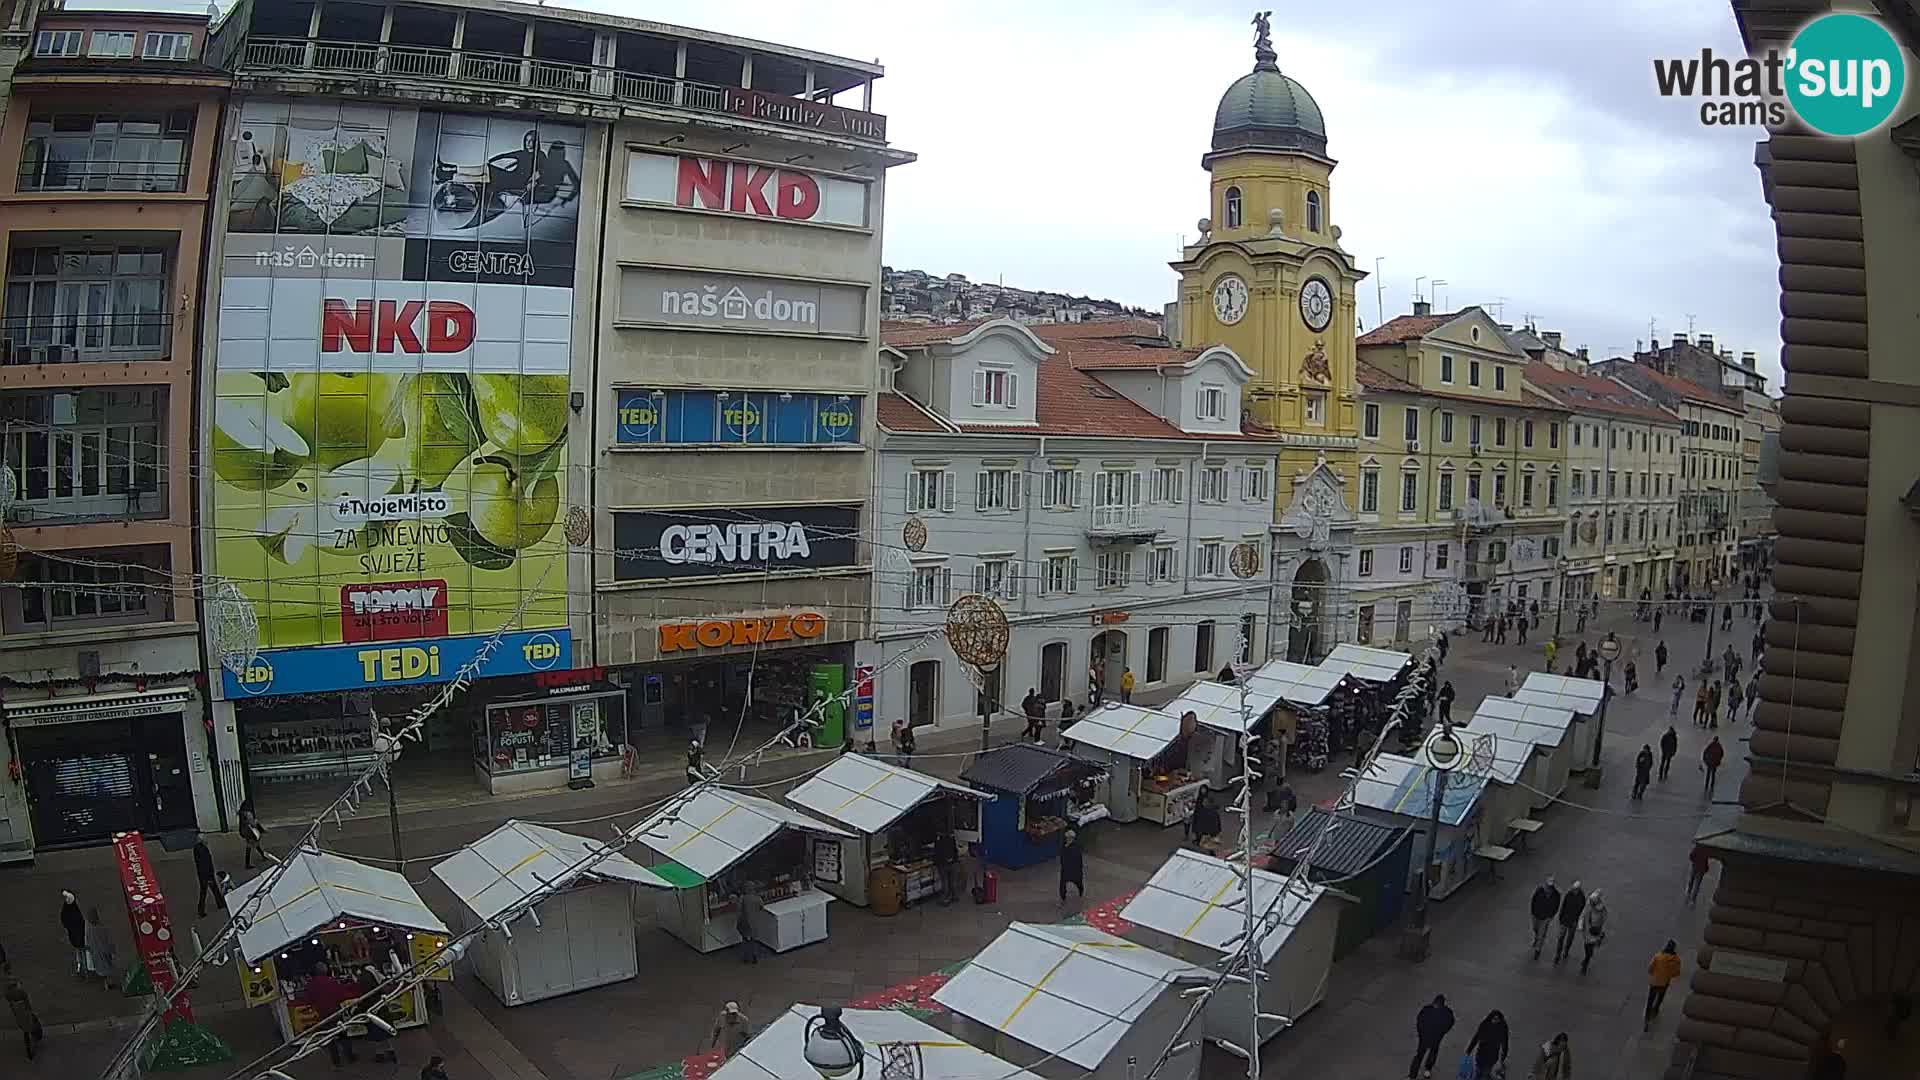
<point>1268,277</point>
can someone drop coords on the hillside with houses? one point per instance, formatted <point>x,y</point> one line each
<point>918,296</point>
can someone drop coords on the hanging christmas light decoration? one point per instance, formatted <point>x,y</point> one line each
<point>579,526</point>
<point>235,628</point>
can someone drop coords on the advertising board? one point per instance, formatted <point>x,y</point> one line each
<point>698,299</point>
<point>745,188</point>
<point>735,418</point>
<point>390,406</point>
<point>706,542</point>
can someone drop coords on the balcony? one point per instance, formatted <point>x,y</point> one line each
<point>85,339</point>
<point>265,56</point>
<point>1120,525</point>
<point>92,176</point>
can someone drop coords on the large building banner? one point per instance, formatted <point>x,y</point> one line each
<point>391,397</point>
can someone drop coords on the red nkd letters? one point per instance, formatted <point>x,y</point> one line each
<point>736,187</point>
<point>394,326</point>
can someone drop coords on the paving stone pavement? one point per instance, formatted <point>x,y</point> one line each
<point>1636,852</point>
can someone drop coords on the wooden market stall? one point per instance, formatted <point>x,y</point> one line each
<point>1578,696</point>
<point>721,846</point>
<point>1074,1002</point>
<point>1223,721</point>
<point>330,909</point>
<point>1036,790</point>
<point>1398,791</point>
<point>777,1051</point>
<point>1377,666</point>
<point>1147,751</point>
<point>1307,692</point>
<point>1547,726</point>
<point>576,938</point>
<point>896,816</point>
<point>1193,908</point>
<point>1367,860</point>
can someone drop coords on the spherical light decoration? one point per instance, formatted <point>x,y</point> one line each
<point>579,526</point>
<point>235,628</point>
<point>977,630</point>
<point>1244,560</point>
<point>914,534</point>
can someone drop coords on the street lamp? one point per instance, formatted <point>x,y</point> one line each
<point>1442,753</point>
<point>1609,652</point>
<point>831,1049</point>
<point>1561,606</point>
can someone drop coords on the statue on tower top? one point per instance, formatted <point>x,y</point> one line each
<point>1263,54</point>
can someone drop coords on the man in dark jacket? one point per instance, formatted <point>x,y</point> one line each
<point>1446,701</point>
<point>1072,866</point>
<point>1660,658</point>
<point>1710,759</point>
<point>1669,746</point>
<point>1545,904</point>
<point>1642,770</point>
<point>1571,905</point>
<point>1429,1027</point>
<point>1488,1045</point>
<point>209,877</point>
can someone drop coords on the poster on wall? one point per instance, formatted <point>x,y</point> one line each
<point>390,406</point>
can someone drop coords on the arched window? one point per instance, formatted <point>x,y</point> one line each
<point>1233,208</point>
<point>1313,211</point>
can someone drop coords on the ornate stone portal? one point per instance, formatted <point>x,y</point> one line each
<point>1309,550</point>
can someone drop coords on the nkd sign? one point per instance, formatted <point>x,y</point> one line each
<point>736,302</point>
<point>746,188</point>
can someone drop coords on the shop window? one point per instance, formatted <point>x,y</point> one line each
<point>1203,647</point>
<point>1157,640</point>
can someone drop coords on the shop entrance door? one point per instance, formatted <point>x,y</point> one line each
<point>1053,671</point>
<point>923,693</point>
<point>88,780</point>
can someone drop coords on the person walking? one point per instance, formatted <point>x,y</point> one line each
<point>1759,642</point>
<point>946,863</point>
<point>251,834</point>
<point>1734,703</point>
<point>1700,709</point>
<point>731,1030</point>
<point>75,924</point>
<point>100,949</point>
<point>1204,825</point>
<point>1072,867</point>
<point>209,876</point>
<point>1035,711</point>
<point>1544,905</point>
<point>1126,687</point>
<point>1660,659</point>
<point>24,1017</point>
<point>1710,759</point>
<point>1679,691</point>
<point>1579,658</point>
<point>1555,1061</point>
<point>1669,746</point>
<point>1572,904</point>
<point>1513,680</point>
<point>1753,694</point>
<point>1661,971</point>
<point>1697,867</point>
<point>1632,678</point>
<point>1521,624</point>
<point>1642,770</point>
<point>1097,685</point>
<point>747,907</point>
<point>1658,614</point>
<point>1594,923</point>
<point>1446,701</point>
<point>1550,649</point>
<point>1486,630</point>
<point>1430,1026</point>
<point>1713,704</point>
<point>434,1069</point>
<point>1488,1047</point>
<point>903,742</point>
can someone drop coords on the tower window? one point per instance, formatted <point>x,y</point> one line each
<point>1313,211</point>
<point>1233,215</point>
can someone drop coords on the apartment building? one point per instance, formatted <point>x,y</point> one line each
<point>108,143</point>
<point>1101,489</point>
<point>1462,444</point>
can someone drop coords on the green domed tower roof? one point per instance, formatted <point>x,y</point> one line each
<point>1266,110</point>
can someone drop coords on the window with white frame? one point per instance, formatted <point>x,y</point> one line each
<point>1410,424</point>
<point>1473,429</point>
<point>1526,489</point>
<point>1213,402</point>
<point>997,489</point>
<point>996,386</point>
<point>106,588</point>
<point>1446,491</point>
<point>1550,547</point>
<point>1409,491</point>
<point>1499,431</point>
<point>1442,555</point>
<point>1163,564</point>
<point>1370,421</point>
<point>1061,576</point>
<point>1473,372</point>
<point>166,47</point>
<point>86,453</point>
<point>930,588</point>
<point>1257,544</point>
<point>1315,404</point>
<point>1499,489</point>
<point>1169,484</point>
<point>1253,484</point>
<point>1366,562</point>
<point>1446,368</point>
<point>58,42</point>
<point>1063,489</point>
<point>1115,569</point>
<point>1576,434</point>
<point>1473,484</point>
<point>929,490</point>
<point>1210,559</point>
<point>1446,427</point>
<point>1369,491</point>
<point>1406,560</point>
<point>111,44</point>
<point>1213,484</point>
<point>996,577</point>
<point>1499,377</point>
<point>1553,489</point>
<point>1579,485</point>
<point>1363,626</point>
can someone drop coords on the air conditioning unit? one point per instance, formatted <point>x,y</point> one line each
<point>1474,449</point>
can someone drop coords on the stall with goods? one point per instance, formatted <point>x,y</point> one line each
<point>1146,752</point>
<point>1398,791</point>
<point>901,820</point>
<point>1034,789</point>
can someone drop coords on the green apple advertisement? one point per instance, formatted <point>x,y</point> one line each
<point>391,397</point>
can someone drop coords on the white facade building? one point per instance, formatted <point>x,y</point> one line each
<point>1097,490</point>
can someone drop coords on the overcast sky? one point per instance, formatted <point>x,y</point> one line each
<point>1515,148</point>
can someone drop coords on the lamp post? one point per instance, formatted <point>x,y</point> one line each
<point>1442,753</point>
<point>1560,605</point>
<point>1609,652</point>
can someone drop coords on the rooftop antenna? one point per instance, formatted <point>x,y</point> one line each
<point>1416,287</point>
<point>1437,282</point>
<point>1653,334</point>
<point>1379,293</point>
<point>1689,327</point>
<point>1499,306</point>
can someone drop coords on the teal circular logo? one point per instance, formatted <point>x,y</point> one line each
<point>1845,75</point>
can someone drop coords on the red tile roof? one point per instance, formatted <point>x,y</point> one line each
<point>1097,355</point>
<point>1673,384</point>
<point>1375,379</point>
<point>910,334</point>
<point>1585,392</point>
<point>901,413</point>
<point>1068,402</point>
<point>1405,328</point>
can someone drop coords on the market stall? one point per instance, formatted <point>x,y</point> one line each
<point>329,909</point>
<point>1578,696</point>
<point>1308,693</point>
<point>896,815</point>
<point>1073,1002</point>
<point>1147,752</point>
<point>1037,793</point>
<point>576,938</point>
<point>1367,860</point>
<point>1548,727</point>
<point>1227,715</point>
<point>1398,791</point>
<point>777,1051</point>
<point>720,846</point>
<point>1194,908</point>
<point>1367,664</point>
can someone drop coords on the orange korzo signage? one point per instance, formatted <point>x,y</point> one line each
<point>720,633</point>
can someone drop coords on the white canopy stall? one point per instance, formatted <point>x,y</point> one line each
<point>1297,684</point>
<point>1547,726</point>
<point>1194,903</point>
<point>1398,791</point>
<point>327,908</point>
<point>1579,696</point>
<point>719,844</point>
<point>578,937</point>
<point>777,1052</point>
<point>896,814</point>
<point>1213,750</point>
<point>1367,664</point>
<point>1149,778</point>
<point>1072,1001</point>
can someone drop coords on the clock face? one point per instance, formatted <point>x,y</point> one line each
<point>1230,299</point>
<point>1316,304</point>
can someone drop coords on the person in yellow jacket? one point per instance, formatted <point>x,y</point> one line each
<point>1552,650</point>
<point>1661,971</point>
<point>1126,687</point>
